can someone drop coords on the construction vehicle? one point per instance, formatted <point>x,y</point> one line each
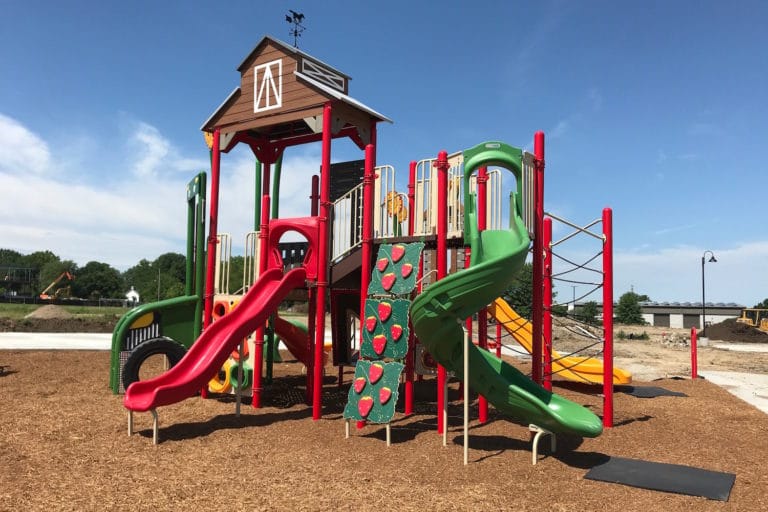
<point>754,317</point>
<point>44,294</point>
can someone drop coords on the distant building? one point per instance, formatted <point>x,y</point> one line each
<point>132,297</point>
<point>684,315</point>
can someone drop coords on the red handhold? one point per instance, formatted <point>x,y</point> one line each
<point>379,344</point>
<point>398,251</point>
<point>370,323</point>
<point>388,280</point>
<point>364,406</point>
<point>385,310</point>
<point>375,373</point>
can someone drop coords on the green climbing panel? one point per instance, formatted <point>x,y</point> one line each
<point>373,394</point>
<point>385,333</point>
<point>395,269</point>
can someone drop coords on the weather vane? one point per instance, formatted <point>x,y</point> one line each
<point>295,19</point>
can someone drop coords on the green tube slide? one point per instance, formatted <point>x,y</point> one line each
<point>438,313</point>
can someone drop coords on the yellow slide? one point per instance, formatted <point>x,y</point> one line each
<point>575,368</point>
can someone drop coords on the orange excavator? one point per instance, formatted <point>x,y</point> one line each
<point>44,294</point>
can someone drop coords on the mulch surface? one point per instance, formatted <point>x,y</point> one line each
<point>64,446</point>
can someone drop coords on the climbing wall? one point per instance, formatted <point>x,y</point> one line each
<point>374,391</point>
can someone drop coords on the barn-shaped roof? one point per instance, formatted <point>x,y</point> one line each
<point>281,96</point>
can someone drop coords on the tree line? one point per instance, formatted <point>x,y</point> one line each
<point>162,278</point>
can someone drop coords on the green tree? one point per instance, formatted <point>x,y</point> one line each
<point>11,258</point>
<point>628,309</point>
<point>236,269</point>
<point>172,268</point>
<point>173,265</point>
<point>589,311</point>
<point>96,280</point>
<point>519,295</point>
<point>143,278</point>
<point>762,305</point>
<point>37,260</point>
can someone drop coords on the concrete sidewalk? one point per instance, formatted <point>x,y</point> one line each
<point>66,341</point>
<point>55,341</point>
<point>750,387</point>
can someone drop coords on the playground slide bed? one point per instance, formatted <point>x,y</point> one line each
<point>63,446</point>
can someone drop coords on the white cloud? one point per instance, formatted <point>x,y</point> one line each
<point>152,150</point>
<point>119,223</point>
<point>674,274</point>
<point>560,129</point>
<point>22,152</point>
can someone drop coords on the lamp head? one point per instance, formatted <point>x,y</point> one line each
<point>712,259</point>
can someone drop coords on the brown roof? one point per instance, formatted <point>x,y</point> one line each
<point>282,93</point>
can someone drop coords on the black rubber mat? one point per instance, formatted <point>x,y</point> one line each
<point>665,477</point>
<point>646,391</point>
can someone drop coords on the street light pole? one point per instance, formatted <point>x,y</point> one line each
<point>703,295</point>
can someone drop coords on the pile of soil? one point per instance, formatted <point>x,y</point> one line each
<point>70,324</point>
<point>731,330</point>
<point>50,311</point>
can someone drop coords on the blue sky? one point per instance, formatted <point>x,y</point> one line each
<point>656,109</point>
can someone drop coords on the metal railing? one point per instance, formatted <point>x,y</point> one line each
<point>529,198</point>
<point>250,260</point>
<point>347,222</point>
<point>425,201</point>
<point>223,259</point>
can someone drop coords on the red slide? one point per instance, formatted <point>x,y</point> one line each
<point>206,356</point>
<point>295,338</point>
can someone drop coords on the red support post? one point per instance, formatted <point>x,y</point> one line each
<point>608,317</point>
<point>482,315</point>
<point>367,235</point>
<point>409,358</point>
<point>322,266</point>
<point>258,352</point>
<point>442,167</point>
<point>537,310</point>
<point>694,354</point>
<point>314,207</point>
<point>411,196</point>
<point>547,317</point>
<point>212,227</point>
<point>311,314</point>
<point>314,197</point>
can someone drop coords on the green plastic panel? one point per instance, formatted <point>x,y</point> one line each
<point>395,269</point>
<point>385,329</point>
<point>373,393</point>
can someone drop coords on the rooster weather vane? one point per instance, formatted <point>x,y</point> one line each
<point>295,18</point>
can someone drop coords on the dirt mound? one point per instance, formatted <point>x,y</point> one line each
<point>731,330</point>
<point>50,311</point>
<point>75,324</point>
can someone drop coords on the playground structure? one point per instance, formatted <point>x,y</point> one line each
<point>217,341</point>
